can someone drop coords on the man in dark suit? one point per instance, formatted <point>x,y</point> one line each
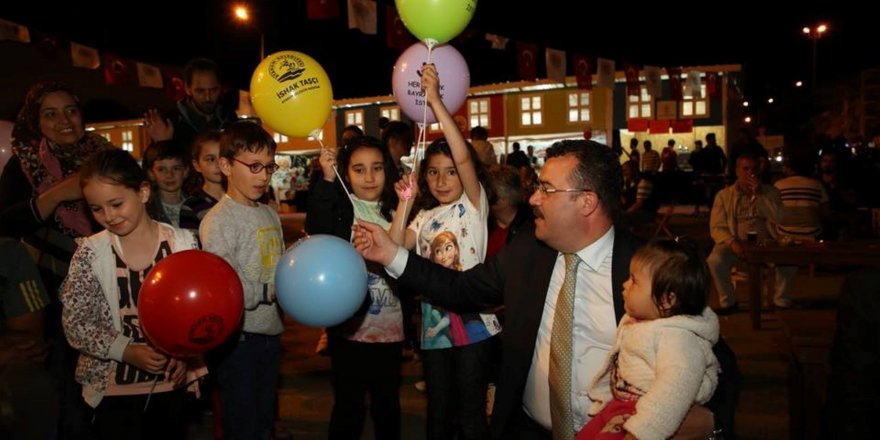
<point>576,201</point>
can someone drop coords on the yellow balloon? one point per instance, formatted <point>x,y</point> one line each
<point>291,93</point>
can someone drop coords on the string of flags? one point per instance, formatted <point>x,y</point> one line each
<point>118,71</point>
<point>362,15</point>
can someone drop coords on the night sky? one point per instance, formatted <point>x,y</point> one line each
<point>769,45</point>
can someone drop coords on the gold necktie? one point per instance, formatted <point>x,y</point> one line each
<point>560,354</point>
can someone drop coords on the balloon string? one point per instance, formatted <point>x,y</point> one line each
<point>425,103</point>
<point>420,141</point>
<point>423,127</point>
<point>341,182</point>
<point>152,388</point>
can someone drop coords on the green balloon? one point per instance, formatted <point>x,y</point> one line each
<point>436,21</point>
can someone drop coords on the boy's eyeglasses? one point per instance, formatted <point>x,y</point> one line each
<point>258,168</point>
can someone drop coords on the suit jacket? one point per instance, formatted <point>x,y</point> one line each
<point>518,277</point>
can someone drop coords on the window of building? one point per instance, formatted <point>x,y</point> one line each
<point>127,142</point>
<point>279,138</point>
<point>392,113</point>
<point>579,107</point>
<point>640,106</point>
<point>693,107</point>
<point>355,117</point>
<point>531,110</point>
<point>478,112</point>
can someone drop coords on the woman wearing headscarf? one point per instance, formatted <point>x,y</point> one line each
<point>42,204</point>
<point>40,198</point>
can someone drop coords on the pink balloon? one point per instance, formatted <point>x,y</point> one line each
<point>5,147</point>
<point>455,78</point>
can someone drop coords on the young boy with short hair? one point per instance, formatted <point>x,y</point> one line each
<point>165,164</point>
<point>248,235</point>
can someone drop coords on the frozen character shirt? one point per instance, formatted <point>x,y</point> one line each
<point>454,235</point>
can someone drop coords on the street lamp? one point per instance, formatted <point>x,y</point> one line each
<point>815,33</point>
<point>242,14</point>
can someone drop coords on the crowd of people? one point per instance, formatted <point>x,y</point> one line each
<point>530,287</point>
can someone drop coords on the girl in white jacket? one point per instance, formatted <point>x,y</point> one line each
<point>661,362</point>
<point>117,367</point>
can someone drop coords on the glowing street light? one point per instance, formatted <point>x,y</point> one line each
<point>242,14</point>
<point>799,84</point>
<point>770,100</point>
<point>815,33</point>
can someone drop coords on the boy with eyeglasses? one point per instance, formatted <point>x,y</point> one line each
<point>247,234</point>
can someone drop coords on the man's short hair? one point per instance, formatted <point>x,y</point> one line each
<point>598,169</point>
<point>199,65</point>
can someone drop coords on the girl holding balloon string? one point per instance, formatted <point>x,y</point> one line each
<point>365,350</point>
<point>451,199</point>
<point>120,371</point>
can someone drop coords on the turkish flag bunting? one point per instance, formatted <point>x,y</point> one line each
<point>632,79</point>
<point>115,70</point>
<point>396,35</point>
<point>712,84</point>
<point>47,45</point>
<point>84,56</point>
<point>149,76</point>
<point>322,9</point>
<point>527,63</point>
<point>660,126</point>
<point>637,124</point>
<point>174,86</point>
<point>583,71</point>
<point>605,73</point>
<point>362,16</point>
<point>683,126</point>
<point>674,82</point>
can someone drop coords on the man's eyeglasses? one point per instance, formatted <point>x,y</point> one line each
<point>258,168</point>
<point>538,186</point>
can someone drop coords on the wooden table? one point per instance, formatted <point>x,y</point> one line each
<point>853,253</point>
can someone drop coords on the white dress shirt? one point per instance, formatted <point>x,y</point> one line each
<point>594,328</point>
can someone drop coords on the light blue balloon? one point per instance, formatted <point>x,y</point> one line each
<point>321,281</point>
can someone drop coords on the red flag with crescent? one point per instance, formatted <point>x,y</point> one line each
<point>633,87</point>
<point>175,86</point>
<point>115,70</point>
<point>583,71</point>
<point>396,35</point>
<point>525,57</point>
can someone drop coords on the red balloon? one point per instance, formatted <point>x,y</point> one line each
<point>190,302</point>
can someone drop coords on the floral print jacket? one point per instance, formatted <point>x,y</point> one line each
<point>90,315</point>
